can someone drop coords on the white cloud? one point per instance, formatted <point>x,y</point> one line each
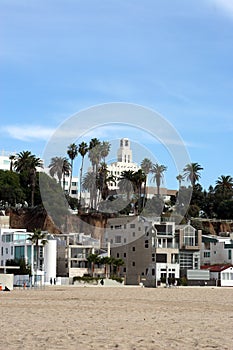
<point>225,5</point>
<point>27,132</point>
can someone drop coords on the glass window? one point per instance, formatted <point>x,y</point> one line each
<point>229,254</point>
<point>117,239</point>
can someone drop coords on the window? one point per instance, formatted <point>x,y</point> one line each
<point>12,250</point>
<point>133,263</point>
<point>153,257</point>
<point>153,272</point>
<point>117,227</point>
<point>117,239</point>
<point>118,255</point>
<point>133,249</point>
<point>74,183</point>
<point>206,254</point>
<point>146,243</point>
<point>139,229</point>
<point>161,258</point>
<point>74,191</point>
<point>133,234</point>
<point>124,255</point>
<point>132,225</point>
<point>125,240</point>
<point>6,250</point>
<point>124,269</point>
<point>2,251</point>
<point>229,254</point>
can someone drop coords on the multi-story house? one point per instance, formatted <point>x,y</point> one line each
<point>15,245</point>
<point>189,240</point>
<point>73,250</point>
<point>147,247</point>
<point>217,250</point>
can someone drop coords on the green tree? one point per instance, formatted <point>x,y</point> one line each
<point>82,149</point>
<point>12,158</point>
<point>72,153</point>
<point>192,172</point>
<point>27,164</point>
<point>224,187</point>
<point>180,178</point>
<point>93,260</point>
<point>126,183</point>
<point>157,172</point>
<point>60,167</point>
<point>10,188</point>
<point>104,150</point>
<point>146,166</point>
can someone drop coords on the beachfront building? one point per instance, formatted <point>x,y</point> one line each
<point>148,248</point>
<point>217,250</point>
<point>189,240</point>
<point>73,250</point>
<point>15,245</point>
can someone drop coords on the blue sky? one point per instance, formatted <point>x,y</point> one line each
<point>60,57</point>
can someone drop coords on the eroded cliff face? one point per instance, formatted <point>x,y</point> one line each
<point>36,218</point>
<point>94,224</point>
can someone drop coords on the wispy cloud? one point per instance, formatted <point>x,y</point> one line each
<point>224,5</point>
<point>27,132</point>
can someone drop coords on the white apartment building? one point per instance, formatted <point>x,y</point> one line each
<point>124,162</point>
<point>14,245</point>
<point>4,160</point>
<point>217,250</point>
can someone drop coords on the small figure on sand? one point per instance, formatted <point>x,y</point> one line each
<point>102,282</point>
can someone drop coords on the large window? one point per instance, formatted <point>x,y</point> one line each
<point>189,236</point>
<point>19,252</point>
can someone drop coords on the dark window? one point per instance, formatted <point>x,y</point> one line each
<point>161,258</point>
<point>133,263</point>
<point>124,255</point>
<point>133,249</point>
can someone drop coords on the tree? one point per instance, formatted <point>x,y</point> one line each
<point>12,158</point>
<point>118,263</point>
<point>157,171</point>
<point>38,237</point>
<point>10,188</point>
<point>94,156</point>
<point>27,163</point>
<point>89,184</point>
<point>224,186</point>
<point>60,167</point>
<point>82,149</point>
<point>192,172</point>
<point>146,166</point>
<point>105,149</point>
<point>72,153</point>
<point>180,178</point>
<point>93,259</point>
<point>126,183</point>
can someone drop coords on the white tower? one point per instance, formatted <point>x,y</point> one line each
<point>124,153</point>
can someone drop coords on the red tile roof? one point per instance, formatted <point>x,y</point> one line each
<point>216,268</point>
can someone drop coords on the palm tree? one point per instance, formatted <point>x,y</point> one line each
<point>60,167</point>
<point>180,178</point>
<point>93,259</point>
<point>105,149</point>
<point>82,149</point>
<point>146,166</point>
<point>27,163</point>
<point>157,171</point>
<point>191,172</point>
<point>12,158</point>
<point>72,153</point>
<point>126,182</point>
<point>94,156</point>
<point>89,184</point>
<point>38,237</point>
<point>224,186</point>
<point>118,263</point>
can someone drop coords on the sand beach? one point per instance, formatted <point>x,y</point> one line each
<point>124,318</point>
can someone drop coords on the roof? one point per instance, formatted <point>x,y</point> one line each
<point>216,268</point>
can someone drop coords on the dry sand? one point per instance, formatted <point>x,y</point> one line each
<point>117,318</point>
